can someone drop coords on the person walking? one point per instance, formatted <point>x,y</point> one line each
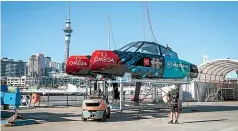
<point>173,101</point>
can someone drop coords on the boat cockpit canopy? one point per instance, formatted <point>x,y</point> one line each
<point>149,48</point>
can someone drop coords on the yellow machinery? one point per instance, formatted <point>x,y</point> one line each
<point>95,108</point>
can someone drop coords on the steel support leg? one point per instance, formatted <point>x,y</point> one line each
<point>121,95</point>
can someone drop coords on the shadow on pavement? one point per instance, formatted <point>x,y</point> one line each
<point>208,108</point>
<point>138,114</point>
<point>204,121</point>
<point>52,117</point>
<point>127,115</point>
<point>6,114</point>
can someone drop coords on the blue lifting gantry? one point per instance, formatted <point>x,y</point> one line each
<point>10,97</point>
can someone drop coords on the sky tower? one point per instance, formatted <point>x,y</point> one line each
<point>67,36</point>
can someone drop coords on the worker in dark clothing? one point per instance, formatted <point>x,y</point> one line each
<point>173,101</point>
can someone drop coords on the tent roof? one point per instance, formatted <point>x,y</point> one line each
<point>216,71</point>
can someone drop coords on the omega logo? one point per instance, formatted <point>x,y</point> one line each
<point>103,58</point>
<point>78,62</point>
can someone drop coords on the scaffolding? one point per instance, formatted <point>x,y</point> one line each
<point>155,91</point>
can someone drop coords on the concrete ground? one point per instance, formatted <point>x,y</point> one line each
<point>222,116</point>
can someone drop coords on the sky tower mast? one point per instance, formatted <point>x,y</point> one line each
<point>68,30</point>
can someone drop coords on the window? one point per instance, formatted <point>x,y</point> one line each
<point>132,47</point>
<point>127,46</point>
<point>173,54</point>
<point>149,49</point>
<point>168,53</point>
<point>164,51</point>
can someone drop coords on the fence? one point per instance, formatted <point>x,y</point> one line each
<point>55,99</point>
<point>67,99</point>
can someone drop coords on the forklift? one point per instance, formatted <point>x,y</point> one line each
<point>96,105</point>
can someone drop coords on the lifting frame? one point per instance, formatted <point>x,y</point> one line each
<point>128,79</point>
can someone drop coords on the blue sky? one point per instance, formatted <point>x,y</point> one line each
<point>192,29</point>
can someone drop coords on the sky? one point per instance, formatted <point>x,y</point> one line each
<point>192,29</point>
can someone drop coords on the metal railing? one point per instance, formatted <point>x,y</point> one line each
<point>65,99</point>
<point>54,99</point>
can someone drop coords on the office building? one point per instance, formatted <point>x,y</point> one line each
<point>16,81</point>
<point>55,65</point>
<point>36,65</point>
<point>11,68</point>
<point>47,61</point>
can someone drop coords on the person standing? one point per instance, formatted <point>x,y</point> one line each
<point>173,101</point>
<point>23,100</point>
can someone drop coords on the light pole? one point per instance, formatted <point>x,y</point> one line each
<point>237,75</point>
